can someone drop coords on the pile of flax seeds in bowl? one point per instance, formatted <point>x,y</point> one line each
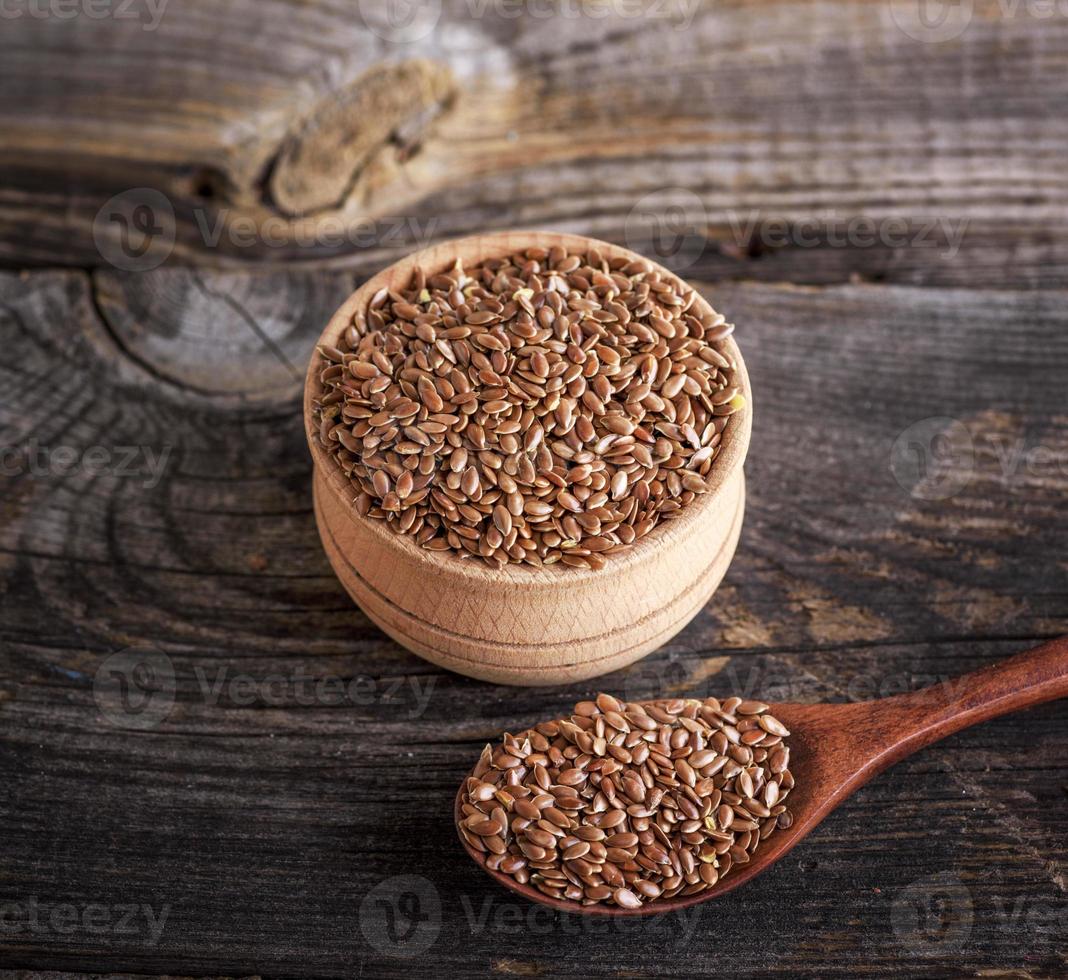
<point>629,803</point>
<point>540,408</point>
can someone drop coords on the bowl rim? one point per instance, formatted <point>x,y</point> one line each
<point>441,256</point>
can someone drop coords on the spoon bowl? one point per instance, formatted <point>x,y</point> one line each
<point>837,748</point>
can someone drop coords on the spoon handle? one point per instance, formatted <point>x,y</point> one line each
<point>911,721</point>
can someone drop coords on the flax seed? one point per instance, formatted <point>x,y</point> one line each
<point>631,826</point>
<point>489,411</point>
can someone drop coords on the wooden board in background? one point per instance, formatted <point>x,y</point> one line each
<point>272,127</point>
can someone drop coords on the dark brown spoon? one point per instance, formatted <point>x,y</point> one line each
<point>836,748</point>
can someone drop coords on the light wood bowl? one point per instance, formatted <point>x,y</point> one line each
<point>520,624</point>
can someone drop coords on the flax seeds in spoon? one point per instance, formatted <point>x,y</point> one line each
<point>541,408</point>
<point>628,803</point>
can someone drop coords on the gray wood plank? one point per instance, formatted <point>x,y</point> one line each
<point>265,820</point>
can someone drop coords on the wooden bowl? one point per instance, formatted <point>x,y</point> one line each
<point>520,624</point>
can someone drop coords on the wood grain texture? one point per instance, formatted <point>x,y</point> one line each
<point>518,624</point>
<point>542,630</point>
<point>262,815</point>
<point>299,121</point>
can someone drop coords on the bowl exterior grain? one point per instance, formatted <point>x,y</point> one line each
<point>519,624</point>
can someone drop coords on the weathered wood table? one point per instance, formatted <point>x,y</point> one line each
<point>212,764</point>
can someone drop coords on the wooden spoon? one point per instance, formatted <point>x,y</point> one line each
<point>836,748</point>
